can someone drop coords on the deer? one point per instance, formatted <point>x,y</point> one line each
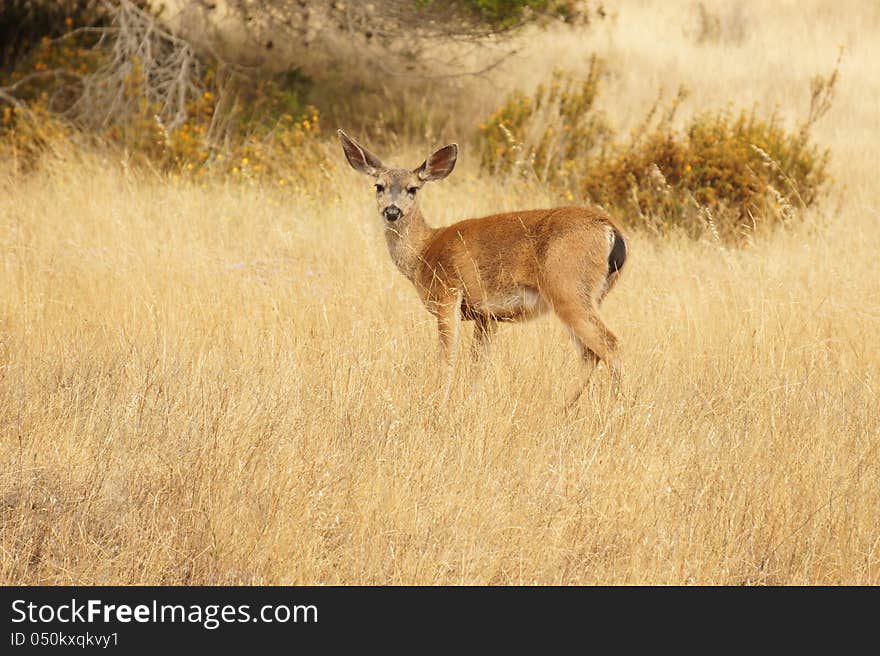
<point>507,267</point>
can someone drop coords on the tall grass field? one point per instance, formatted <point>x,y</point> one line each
<point>228,382</point>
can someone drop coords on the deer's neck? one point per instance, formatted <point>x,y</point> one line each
<point>407,243</point>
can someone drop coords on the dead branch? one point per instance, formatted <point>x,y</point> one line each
<point>143,56</point>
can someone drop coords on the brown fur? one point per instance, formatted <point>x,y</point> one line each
<point>504,267</point>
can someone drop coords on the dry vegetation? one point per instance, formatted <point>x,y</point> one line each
<point>221,382</point>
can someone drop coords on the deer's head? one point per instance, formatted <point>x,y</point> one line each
<point>397,190</point>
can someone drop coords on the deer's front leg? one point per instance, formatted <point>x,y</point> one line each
<point>449,326</point>
<point>484,328</point>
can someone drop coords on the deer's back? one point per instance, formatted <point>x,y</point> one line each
<point>506,253</point>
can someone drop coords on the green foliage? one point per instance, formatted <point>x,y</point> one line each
<point>508,13</point>
<point>501,11</point>
<point>725,171</point>
<point>268,100</point>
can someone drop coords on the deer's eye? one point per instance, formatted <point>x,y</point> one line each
<point>412,191</point>
<point>380,188</point>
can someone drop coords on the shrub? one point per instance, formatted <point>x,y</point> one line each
<point>740,169</point>
<point>549,130</point>
<point>24,23</point>
<point>510,12</point>
<point>726,171</point>
<point>269,119</point>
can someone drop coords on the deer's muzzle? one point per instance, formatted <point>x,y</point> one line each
<point>391,213</point>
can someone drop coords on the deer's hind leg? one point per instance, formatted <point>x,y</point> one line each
<point>590,361</point>
<point>596,343</point>
<point>575,300</point>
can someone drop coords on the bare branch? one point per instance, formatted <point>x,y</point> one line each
<point>141,53</point>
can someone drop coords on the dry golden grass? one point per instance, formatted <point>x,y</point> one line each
<point>228,384</point>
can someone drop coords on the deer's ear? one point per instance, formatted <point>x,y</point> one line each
<point>361,159</point>
<point>439,164</point>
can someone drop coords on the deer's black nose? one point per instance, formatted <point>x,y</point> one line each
<point>392,213</point>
